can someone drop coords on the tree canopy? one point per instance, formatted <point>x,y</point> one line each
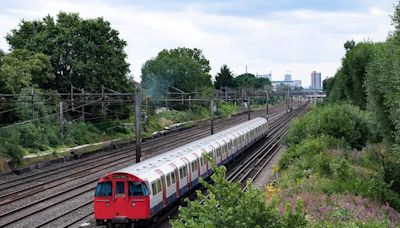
<point>248,80</point>
<point>183,68</point>
<point>22,68</point>
<point>86,53</point>
<point>348,83</point>
<point>224,78</point>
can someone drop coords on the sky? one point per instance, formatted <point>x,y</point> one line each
<point>270,36</point>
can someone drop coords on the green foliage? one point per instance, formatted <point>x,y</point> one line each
<point>183,68</point>
<point>341,121</point>
<point>250,81</point>
<point>226,109</point>
<point>22,68</point>
<point>86,53</point>
<point>224,78</point>
<point>226,201</point>
<point>348,83</point>
<point>80,133</point>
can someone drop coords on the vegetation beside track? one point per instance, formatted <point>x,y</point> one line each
<point>228,206</point>
<point>43,136</point>
<point>334,164</point>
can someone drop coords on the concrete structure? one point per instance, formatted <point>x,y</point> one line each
<point>288,77</point>
<point>297,83</point>
<point>268,76</point>
<point>316,80</point>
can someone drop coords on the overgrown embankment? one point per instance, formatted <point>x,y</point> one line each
<point>44,136</point>
<point>336,167</point>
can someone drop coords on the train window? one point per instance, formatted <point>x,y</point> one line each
<point>181,173</point>
<point>104,189</point>
<point>173,178</point>
<point>120,188</point>
<point>193,167</point>
<point>137,189</point>
<point>168,180</point>
<point>184,171</point>
<point>158,186</point>
<point>154,188</point>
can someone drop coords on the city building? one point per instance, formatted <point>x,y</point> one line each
<point>297,83</point>
<point>316,80</point>
<point>288,77</point>
<point>268,76</point>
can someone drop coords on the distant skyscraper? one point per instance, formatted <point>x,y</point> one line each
<point>288,77</point>
<point>315,80</point>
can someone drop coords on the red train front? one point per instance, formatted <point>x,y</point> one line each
<point>121,198</point>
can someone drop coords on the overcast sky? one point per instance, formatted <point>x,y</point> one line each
<point>268,36</point>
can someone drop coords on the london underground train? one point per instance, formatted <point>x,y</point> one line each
<point>139,192</point>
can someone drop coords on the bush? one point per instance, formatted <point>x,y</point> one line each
<point>228,206</point>
<point>341,121</point>
<point>226,109</point>
<point>10,140</point>
<point>81,133</point>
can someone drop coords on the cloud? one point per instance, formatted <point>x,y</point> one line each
<point>300,39</point>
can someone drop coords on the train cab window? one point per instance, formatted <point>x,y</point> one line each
<point>173,178</point>
<point>168,180</point>
<point>154,188</point>
<point>120,188</point>
<point>104,189</point>
<point>137,189</point>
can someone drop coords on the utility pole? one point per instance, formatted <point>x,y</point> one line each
<point>248,108</point>
<point>190,103</point>
<point>267,106</point>
<point>33,104</point>
<point>83,104</point>
<point>62,121</point>
<point>138,140</point>
<point>212,115</point>
<point>102,99</point>
<point>72,98</point>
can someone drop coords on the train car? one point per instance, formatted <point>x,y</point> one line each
<point>141,191</point>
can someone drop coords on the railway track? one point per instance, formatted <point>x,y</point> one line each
<point>249,165</point>
<point>46,197</point>
<point>160,143</point>
<point>10,188</point>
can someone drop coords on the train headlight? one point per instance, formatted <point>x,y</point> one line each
<point>133,204</point>
<point>107,204</point>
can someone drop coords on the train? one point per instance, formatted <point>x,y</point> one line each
<point>140,192</point>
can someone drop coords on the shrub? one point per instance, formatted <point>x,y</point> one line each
<point>228,206</point>
<point>10,140</point>
<point>341,121</point>
<point>226,109</point>
<point>81,133</point>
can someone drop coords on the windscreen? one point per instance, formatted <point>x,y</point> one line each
<point>104,189</point>
<point>137,189</point>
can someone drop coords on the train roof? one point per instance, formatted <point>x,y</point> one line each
<point>139,169</point>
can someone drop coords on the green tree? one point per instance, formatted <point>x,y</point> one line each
<point>183,68</point>
<point>227,206</point>
<point>248,80</point>
<point>224,78</point>
<point>86,53</point>
<point>349,81</point>
<point>22,68</point>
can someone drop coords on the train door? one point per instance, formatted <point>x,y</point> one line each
<point>121,203</point>
<point>189,172</point>
<point>198,164</point>
<point>163,187</point>
<point>176,177</point>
